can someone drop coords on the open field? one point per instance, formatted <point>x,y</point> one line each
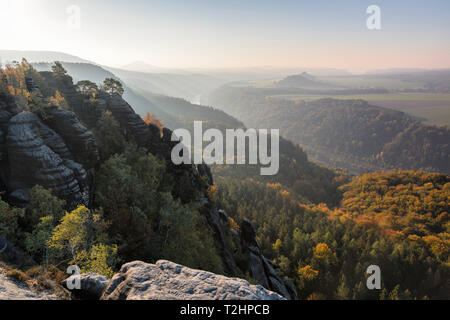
<point>372,82</point>
<point>429,107</point>
<point>431,111</point>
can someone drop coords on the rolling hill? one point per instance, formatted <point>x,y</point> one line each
<point>350,134</point>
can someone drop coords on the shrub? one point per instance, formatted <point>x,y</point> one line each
<point>17,274</point>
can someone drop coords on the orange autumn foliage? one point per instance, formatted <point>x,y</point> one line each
<point>150,118</point>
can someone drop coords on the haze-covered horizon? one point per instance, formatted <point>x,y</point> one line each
<point>234,35</point>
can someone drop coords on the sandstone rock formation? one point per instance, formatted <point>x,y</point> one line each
<point>170,281</point>
<point>78,139</point>
<point>218,221</point>
<point>38,155</point>
<point>11,289</point>
<point>252,259</point>
<point>260,268</point>
<point>59,153</point>
<point>92,285</point>
<point>149,136</point>
<point>8,108</point>
<point>130,122</point>
<point>54,151</point>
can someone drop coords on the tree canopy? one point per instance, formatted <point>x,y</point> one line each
<point>112,86</point>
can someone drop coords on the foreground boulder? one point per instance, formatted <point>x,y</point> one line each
<point>166,280</point>
<point>91,287</point>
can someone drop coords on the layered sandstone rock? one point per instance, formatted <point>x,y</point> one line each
<point>130,122</point>
<point>78,139</point>
<point>261,268</point>
<point>91,286</point>
<point>37,155</point>
<point>166,280</point>
<point>59,153</point>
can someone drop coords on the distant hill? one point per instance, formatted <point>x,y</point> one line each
<point>142,66</point>
<point>173,112</point>
<point>403,71</point>
<point>349,134</point>
<point>301,80</point>
<point>178,83</point>
<point>310,181</point>
<point>187,86</point>
<point>38,56</point>
<point>435,81</point>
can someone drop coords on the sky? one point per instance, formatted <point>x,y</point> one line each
<point>233,33</point>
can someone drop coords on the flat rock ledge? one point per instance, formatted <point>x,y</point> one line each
<point>11,289</point>
<point>166,280</point>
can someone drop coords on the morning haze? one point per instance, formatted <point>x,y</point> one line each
<point>234,34</point>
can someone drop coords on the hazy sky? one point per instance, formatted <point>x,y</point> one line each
<point>229,33</point>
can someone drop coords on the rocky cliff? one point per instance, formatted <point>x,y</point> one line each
<point>55,150</point>
<point>55,153</point>
<point>37,155</point>
<point>166,280</point>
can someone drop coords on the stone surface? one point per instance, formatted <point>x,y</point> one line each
<point>170,281</point>
<point>92,286</point>
<point>11,289</point>
<point>259,267</point>
<point>38,155</point>
<point>130,122</point>
<point>78,139</point>
<point>219,223</point>
<point>8,109</point>
<point>52,149</point>
<point>59,153</point>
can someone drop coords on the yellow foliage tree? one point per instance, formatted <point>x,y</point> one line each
<point>276,246</point>
<point>322,251</point>
<point>234,224</point>
<point>211,193</point>
<point>150,118</point>
<point>307,272</point>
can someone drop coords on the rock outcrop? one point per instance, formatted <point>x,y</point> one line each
<point>261,268</point>
<point>80,142</point>
<point>170,281</point>
<point>38,156</point>
<point>252,259</point>
<point>91,287</point>
<point>15,288</point>
<point>57,152</point>
<point>64,84</point>
<point>131,123</point>
<point>53,150</point>
<point>149,137</point>
<point>11,289</point>
<point>8,109</point>
<point>218,221</point>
